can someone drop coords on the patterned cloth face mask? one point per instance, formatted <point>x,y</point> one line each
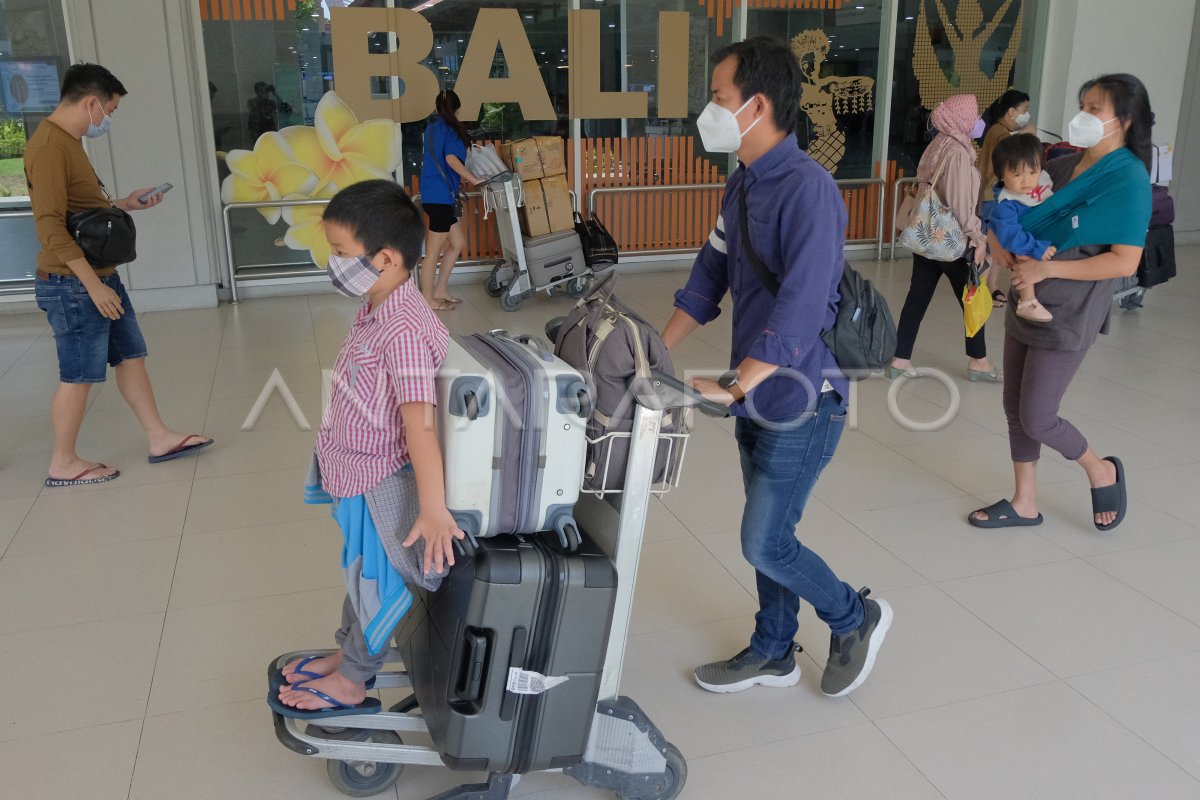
<point>352,276</point>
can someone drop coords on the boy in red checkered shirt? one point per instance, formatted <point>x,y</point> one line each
<point>377,447</point>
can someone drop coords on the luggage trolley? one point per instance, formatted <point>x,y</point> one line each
<point>625,752</point>
<point>512,280</point>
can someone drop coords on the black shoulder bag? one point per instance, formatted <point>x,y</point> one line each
<point>106,235</point>
<point>863,336</point>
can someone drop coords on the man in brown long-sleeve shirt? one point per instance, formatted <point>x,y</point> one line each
<point>88,309</point>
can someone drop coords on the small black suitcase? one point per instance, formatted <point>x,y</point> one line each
<point>523,603</point>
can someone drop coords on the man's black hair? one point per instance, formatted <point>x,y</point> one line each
<point>380,214</point>
<point>1016,151</point>
<point>766,66</point>
<point>83,80</point>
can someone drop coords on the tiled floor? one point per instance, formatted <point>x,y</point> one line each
<point>136,617</point>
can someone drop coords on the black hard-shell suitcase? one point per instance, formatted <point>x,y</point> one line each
<point>518,603</point>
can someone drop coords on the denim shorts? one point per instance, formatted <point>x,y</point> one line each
<point>87,340</point>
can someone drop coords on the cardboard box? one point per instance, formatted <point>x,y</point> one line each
<point>522,158</point>
<point>534,221</point>
<point>552,153</point>
<point>559,213</point>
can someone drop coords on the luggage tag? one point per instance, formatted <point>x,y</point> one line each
<point>521,681</point>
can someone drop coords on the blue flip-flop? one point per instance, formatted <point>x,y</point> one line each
<point>300,669</point>
<point>369,706</point>
<point>179,450</point>
<point>1111,498</point>
<point>312,676</point>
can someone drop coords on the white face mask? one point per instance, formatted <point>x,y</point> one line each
<point>1087,130</point>
<point>978,128</point>
<point>719,129</point>
<point>1022,119</point>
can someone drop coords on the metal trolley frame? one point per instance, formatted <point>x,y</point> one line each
<point>510,279</point>
<point>626,753</point>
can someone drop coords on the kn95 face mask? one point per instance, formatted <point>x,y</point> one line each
<point>719,129</point>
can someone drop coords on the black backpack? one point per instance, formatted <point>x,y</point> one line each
<point>863,336</point>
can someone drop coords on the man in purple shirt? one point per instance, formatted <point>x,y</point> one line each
<point>784,387</point>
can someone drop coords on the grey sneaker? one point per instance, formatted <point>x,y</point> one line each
<point>852,655</point>
<point>746,669</point>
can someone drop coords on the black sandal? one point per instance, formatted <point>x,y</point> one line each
<point>999,299</point>
<point>1001,514</point>
<point>1111,498</point>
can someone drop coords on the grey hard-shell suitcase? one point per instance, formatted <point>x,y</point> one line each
<point>554,257</point>
<point>523,604</point>
<point>511,423</point>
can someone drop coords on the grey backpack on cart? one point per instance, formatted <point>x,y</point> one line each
<point>518,610</point>
<point>615,349</point>
<point>511,423</point>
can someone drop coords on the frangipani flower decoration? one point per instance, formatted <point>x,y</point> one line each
<point>340,150</point>
<point>268,172</point>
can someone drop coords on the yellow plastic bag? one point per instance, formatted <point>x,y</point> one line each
<point>977,306</point>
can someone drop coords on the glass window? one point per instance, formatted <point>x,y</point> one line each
<point>545,24</point>
<point>269,64</point>
<point>33,56</point>
<point>839,64</point>
<point>947,47</point>
<point>654,151</point>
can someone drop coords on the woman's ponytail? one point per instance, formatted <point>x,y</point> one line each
<point>447,105</point>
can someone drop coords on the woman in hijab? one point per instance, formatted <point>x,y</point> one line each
<point>953,152</point>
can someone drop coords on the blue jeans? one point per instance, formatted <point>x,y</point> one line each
<point>779,470</point>
<point>87,341</point>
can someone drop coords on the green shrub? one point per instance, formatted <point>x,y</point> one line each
<point>12,139</point>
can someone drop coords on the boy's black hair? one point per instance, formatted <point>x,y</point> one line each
<point>766,66</point>
<point>1013,152</point>
<point>83,80</point>
<point>380,214</point>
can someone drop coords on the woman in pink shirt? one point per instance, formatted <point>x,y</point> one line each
<point>957,121</point>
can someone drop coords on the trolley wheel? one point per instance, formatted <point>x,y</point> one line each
<point>365,778</point>
<point>493,286</point>
<point>672,782</point>
<point>510,303</point>
<point>579,287</point>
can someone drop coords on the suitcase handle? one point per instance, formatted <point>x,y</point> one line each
<point>543,350</point>
<point>537,345</point>
<point>468,683</point>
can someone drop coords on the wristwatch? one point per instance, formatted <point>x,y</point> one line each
<point>729,382</point>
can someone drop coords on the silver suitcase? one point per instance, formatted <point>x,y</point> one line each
<point>512,418</point>
<point>554,257</point>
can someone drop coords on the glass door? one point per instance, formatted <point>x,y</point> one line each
<point>33,55</point>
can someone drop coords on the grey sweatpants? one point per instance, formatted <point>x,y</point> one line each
<point>357,662</point>
<point>1035,380</point>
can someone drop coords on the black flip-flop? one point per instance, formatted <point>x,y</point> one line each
<point>80,480</point>
<point>1111,498</point>
<point>999,299</point>
<point>1001,514</point>
<point>179,450</point>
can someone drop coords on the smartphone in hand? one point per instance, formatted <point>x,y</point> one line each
<point>163,189</point>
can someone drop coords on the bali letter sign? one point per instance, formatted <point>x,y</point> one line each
<point>495,29</point>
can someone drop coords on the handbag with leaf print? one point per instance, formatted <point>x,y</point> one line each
<point>933,231</point>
